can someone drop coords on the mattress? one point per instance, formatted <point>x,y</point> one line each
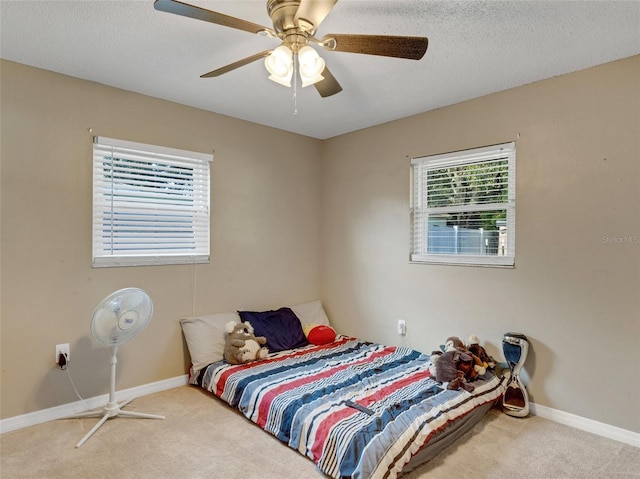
<point>357,409</point>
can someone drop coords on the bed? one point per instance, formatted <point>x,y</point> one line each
<point>357,409</point>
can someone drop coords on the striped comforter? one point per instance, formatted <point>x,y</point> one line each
<point>357,409</point>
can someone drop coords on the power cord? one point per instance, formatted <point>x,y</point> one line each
<point>66,368</point>
<point>64,364</point>
<point>406,342</point>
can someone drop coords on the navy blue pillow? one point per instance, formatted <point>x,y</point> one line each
<point>281,327</point>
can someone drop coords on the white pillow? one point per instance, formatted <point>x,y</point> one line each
<point>206,337</point>
<point>311,313</point>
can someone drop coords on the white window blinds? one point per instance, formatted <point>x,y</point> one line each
<point>150,204</point>
<point>463,207</point>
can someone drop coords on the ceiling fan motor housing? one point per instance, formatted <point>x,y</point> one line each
<point>283,13</point>
<point>294,32</point>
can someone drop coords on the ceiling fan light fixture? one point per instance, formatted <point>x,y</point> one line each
<point>284,80</point>
<point>311,66</point>
<point>279,64</point>
<point>311,80</point>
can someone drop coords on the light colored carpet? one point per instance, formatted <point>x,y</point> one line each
<point>202,438</point>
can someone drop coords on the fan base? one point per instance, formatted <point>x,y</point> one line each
<point>112,410</point>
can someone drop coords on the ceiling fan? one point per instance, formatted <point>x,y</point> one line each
<point>295,23</point>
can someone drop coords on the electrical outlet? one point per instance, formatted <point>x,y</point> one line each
<point>62,349</point>
<point>402,327</point>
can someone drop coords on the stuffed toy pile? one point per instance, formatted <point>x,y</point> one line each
<point>477,350</point>
<point>458,364</point>
<point>242,346</point>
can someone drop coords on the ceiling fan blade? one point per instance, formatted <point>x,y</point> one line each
<point>312,13</point>
<point>191,11</point>
<point>412,48</point>
<point>329,86</point>
<point>234,65</point>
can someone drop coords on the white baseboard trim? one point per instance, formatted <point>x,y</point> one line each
<point>66,410</point>
<point>584,424</point>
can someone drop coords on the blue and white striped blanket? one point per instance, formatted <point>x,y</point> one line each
<point>357,409</point>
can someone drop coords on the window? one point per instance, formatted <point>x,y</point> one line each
<point>150,204</point>
<point>463,207</point>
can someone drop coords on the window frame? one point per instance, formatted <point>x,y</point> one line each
<point>143,199</point>
<point>420,234</point>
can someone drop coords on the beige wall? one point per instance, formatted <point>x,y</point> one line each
<point>575,295</point>
<point>275,214</point>
<point>264,246</point>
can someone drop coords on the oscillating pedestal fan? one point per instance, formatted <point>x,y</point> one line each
<point>118,318</point>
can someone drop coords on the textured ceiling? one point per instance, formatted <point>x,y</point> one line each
<point>476,47</point>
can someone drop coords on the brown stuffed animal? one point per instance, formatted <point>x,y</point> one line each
<point>242,346</point>
<point>454,343</point>
<point>455,368</point>
<point>475,348</point>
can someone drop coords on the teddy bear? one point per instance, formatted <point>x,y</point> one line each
<point>242,346</point>
<point>451,344</point>
<point>454,343</point>
<point>455,367</point>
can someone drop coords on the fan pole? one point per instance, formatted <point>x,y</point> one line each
<point>112,408</point>
<point>112,384</point>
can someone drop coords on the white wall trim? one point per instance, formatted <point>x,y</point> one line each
<point>65,410</point>
<point>59,412</point>
<point>584,424</point>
